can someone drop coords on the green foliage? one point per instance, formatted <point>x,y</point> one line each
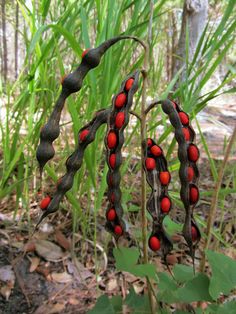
<point>126,260</point>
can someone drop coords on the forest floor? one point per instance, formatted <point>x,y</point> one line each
<point>39,274</point>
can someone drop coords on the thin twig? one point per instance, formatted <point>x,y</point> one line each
<point>214,202</point>
<point>135,114</point>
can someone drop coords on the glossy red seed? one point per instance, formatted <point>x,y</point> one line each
<point>186,134</point>
<point>84,52</point>
<point>165,204</point>
<point>83,135</point>
<point>193,194</point>
<point>164,177</point>
<point>129,84</point>
<point>156,150</point>
<point>193,153</point>
<point>184,118</point>
<point>190,174</point>
<point>45,202</point>
<point>120,119</point>
<point>120,100</point>
<point>149,142</point>
<point>111,140</point>
<point>154,243</point>
<point>194,233</point>
<point>118,230</point>
<point>112,160</point>
<point>111,214</point>
<point>150,163</point>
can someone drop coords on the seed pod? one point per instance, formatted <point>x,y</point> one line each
<point>186,134</point>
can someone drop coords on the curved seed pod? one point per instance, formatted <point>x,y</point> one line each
<point>114,140</point>
<point>74,162</point>
<point>70,84</point>
<point>159,202</point>
<point>188,154</point>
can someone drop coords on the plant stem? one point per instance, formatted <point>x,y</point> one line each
<point>143,176</point>
<point>212,213</point>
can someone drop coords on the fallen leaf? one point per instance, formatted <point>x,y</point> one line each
<point>5,292</point>
<point>34,264</point>
<point>50,308</point>
<point>29,247</point>
<point>73,301</point>
<point>7,274</point>
<point>49,251</point>
<point>171,259</point>
<point>62,240</point>
<point>111,284</point>
<point>61,277</point>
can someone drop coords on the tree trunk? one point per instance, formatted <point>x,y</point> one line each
<point>4,41</point>
<point>194,19</point>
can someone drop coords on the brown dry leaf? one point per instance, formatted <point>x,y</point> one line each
<point>73,301</point>
<point>61,277</point>
<point>111,284</point>
<point>29,247</point>
<point>50,308</point>
<point>171,259</point>
<point>6,292</point>
<point>62,240</point>
<point>34,264</point>
<point>49,251</point>
<point>7,274</point>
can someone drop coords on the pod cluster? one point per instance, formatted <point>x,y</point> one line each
<point>86,136</point>
<point>70,84</point>
<point>188,154</point>
<point>114,140</point>
<point>159,202</point>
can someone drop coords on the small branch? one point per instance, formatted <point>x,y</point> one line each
<point>135,114</point>
<point>212,212</point>
<point>152,105</point>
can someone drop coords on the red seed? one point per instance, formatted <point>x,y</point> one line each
<point>193,194</point>
<point>193,153</point>
<point>174,104</point>
<point>150,163</point>
<point>154,243</point>
<point>149,142</point>
<point>45,202</point>
<point>186,134</point>
<point>184,118</point>
<point>165,204</point>
<point>156,150</point>
<point>194,233</point>
<point>84,52</point>
<point>190,174</point>
<point>129,84</point>
<point>111,140</point>
<point>111,214</point>
<point>118,230</point>
<point>164,177</point>
<point>112,197</point>
<point>120,119</point>
<point>120,100</point>
<point>83,135</point>
<point>112,160</point>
